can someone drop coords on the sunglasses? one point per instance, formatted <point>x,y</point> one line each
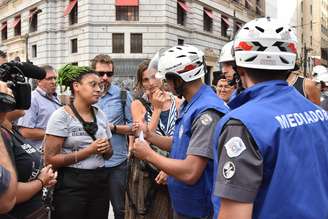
<point>108,73</point>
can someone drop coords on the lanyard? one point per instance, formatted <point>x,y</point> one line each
<point>89,127</point>
<point>49,98</point>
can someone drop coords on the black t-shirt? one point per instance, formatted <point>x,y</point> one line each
<point>27,161</point>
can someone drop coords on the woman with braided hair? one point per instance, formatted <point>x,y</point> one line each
<point>77,143</point>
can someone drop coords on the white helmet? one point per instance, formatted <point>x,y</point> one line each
<point>226,53</point>
<point>186,61</point>
<point>266,43</point>
<point>318,70</point>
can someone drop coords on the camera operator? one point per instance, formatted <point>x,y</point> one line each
<point>8,180</point>
<point>31,174</point>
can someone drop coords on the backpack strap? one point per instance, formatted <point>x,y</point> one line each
<point>123,95</point>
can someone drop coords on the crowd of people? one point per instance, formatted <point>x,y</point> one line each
<point>256,147</point>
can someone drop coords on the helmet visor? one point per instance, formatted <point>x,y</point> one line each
<point>153,65</point>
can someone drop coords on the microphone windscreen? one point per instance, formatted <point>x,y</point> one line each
<point>32,71</point>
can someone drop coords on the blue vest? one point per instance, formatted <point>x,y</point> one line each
<point>193,200</point>
<point>291,133</point>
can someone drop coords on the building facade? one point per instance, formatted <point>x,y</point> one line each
<point>57,32</point>
<point>313,31</point>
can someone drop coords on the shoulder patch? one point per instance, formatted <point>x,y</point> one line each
<point>235,146</point>
<point>229,170</point>
<point>206,119</point>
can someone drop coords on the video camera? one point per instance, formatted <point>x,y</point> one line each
<point>14,74</point>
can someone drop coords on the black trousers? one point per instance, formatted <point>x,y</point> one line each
<point>81,194</point>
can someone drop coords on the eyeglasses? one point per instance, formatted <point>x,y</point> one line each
<point>50,78</point>
<point>225,87</point>
<point>108,73</point>
<point>95,84</point>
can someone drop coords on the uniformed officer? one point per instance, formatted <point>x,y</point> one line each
<point>226,62</point>
<point>190,166</point>
<point>272,147</point>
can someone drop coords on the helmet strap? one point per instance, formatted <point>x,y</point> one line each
<point>236,80</point>
<point>179,88</point>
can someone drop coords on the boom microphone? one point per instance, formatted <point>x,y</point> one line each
<point>27,69</point>
<point>31,71</point>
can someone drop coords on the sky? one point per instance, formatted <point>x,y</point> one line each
<point>282,9</point>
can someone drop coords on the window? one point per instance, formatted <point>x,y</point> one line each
<point>224,26</point>
<point>74,45</point>
<point>181,12</point>
<point>258,7</point>
<point>208,20</point>
<point>180,42</point>
<point>311,9</point>
<point>73,16</point>
<point>72,11</point>
<point>17,26</point>
<point>75,63</point>
<point>34,51</point>
<point>248,4</point>
<point>127,13</point>
<point>311,25</point>
<point>4,31</point>
<point>33,18</point>
<point>118,43</point>
<point>311,41</point>
<point>136,43</point>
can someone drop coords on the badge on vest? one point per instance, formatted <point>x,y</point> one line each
<point>235,146</point>
<point>229,170</point>
<point>206,119</point>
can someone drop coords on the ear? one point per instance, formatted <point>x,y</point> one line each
<point>241,71</point>
<point>76,86</point>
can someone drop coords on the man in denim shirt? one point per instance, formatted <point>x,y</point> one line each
<point>121,125</point>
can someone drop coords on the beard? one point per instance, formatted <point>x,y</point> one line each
<point>105,88</point>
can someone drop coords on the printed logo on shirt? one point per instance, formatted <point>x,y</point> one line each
<point>28,148</point>
<point>235,146</point>
<point>229,170</point>
<point>206,119</point>
<point>292,120</point>
<point>78,131</point>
